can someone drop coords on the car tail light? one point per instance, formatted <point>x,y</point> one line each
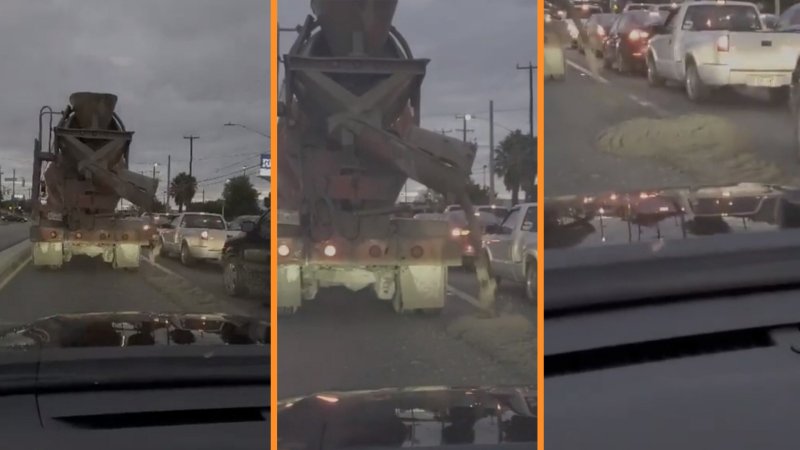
<point>53,235</point>
<point>637,35</point>
<point>283,250</point>
<point>204,235</point>
<point>329,250</point>
<point>456,232</point>
<point>600,31</point>
<point>723,43</point>
<point>146,227</point>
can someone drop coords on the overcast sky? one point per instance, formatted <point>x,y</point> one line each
<point>474,47</point>
<point>178,67</point>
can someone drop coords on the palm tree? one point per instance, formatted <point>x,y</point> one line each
<point>182,189</point>
<point>515,162</point>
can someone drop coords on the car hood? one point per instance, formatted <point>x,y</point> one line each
<point>620,218</point>
<point>408,417</point>
<point>123,329</point>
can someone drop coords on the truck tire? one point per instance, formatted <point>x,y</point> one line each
<point>696,90</point>
<point>186,256</point>
<point>531,281</point>
<point>653,78</point>
<point>796,118</point>
<point>234,278</point>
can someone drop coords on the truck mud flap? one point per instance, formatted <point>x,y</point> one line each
<point>126,256</point>
<point>422,287</point>
<point>48,254</point>
<point>289,288</point>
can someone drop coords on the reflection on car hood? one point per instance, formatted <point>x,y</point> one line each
<point>135,329</point>
<point>423,416</point>
<point>614,218</point>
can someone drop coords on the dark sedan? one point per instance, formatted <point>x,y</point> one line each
<point>626,46</point>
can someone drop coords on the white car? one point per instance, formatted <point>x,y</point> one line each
<point>194,236</point>
<point>511,248</point>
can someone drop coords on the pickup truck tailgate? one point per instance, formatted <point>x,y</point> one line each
<point>756,51</point>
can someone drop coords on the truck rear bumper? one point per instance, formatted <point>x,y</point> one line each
<point>723,75</point>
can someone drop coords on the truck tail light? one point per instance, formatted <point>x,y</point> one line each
<point>53,235</point>
<point>283,250</point>
<point>329,250</point>
<point>204,235</point>
<point>723,43</point>
<point>637,35</point>
<point>375,251</point>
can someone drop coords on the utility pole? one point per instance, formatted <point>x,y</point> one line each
<point>169,181</point>
<point>529,68</point>
<point>465,118</point>
<point>13,185</point>
<point>484,175</point>
<point>491,150</point>
<point>191,139</point>
<point>204,195</point>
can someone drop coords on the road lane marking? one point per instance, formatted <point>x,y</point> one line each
<point>587,72</point>
<point>155,264</point>
<point>458,293</point>
<point>644,103</point>
<point>14,273</point>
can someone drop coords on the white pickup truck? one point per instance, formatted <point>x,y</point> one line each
<point>710,44</point>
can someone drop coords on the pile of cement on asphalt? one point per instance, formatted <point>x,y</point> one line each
<point>509,338</point>
<point>709,148</point>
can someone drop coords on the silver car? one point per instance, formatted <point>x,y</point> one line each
<point>194,236</point>
<point>511,248</point>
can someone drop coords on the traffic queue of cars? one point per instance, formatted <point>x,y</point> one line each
<point>241,246</point>
<point>702,45</point>
<point>509,240</point>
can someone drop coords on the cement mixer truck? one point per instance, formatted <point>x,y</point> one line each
<point>349,138</point>
<point>78,181</point>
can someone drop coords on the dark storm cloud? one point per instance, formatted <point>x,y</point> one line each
<point>474,47</point>
<point>178,67</point>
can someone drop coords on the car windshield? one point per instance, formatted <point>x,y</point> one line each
<point>203,221</point>
<point>722,17</point>
<point>378,269</point>
<point>236,224</point>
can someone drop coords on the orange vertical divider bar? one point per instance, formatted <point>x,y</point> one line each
<point>540,226</point>
<point>273,203</point>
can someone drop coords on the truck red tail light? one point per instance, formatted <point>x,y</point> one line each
<point>723,43</point>
<point>375,251</point>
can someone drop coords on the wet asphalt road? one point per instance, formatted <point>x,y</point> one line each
<point>89,285</point>
<point>344,340</point>
<point>580,108</point>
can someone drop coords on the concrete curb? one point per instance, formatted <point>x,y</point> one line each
<point>14,256</point>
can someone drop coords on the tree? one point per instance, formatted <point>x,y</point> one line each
<point>515,162</point>
<point>240,197</point>
<point>183,189</point>
<point>528,184</point>
<point>478,195</point>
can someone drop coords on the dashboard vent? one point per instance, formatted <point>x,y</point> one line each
<point>166,418</point>
<point>652,351</point>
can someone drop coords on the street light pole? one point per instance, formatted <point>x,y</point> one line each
<point>466,118</point>
<point>231,124</point>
